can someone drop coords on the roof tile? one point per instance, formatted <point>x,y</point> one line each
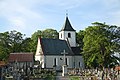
<point>55,46</point>
<point>20,57</point>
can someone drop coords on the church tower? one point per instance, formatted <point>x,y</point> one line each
<point>68,33</point>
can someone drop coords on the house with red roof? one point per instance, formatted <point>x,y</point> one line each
<point>21,60</point>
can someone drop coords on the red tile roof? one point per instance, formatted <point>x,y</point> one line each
<point>117,68</point>
<point>2,63</point>
<point>21,57</point>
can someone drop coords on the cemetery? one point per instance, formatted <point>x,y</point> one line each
<point>51,74</point>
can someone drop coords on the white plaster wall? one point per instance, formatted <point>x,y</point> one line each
<point>40,58</point>
<point>50,61</point>
<point>39,54</point>
<point>61,37</point>
<point>72,40</point>
<point>77,60</point>
<point>37,58</point>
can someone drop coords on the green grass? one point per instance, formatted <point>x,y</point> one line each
<point>50,77</point>
<point>74,78</point>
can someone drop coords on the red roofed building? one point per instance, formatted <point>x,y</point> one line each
<point>2,63</point>
<point>21,60</point>
<point>117,68</point>
<point>21,57</point>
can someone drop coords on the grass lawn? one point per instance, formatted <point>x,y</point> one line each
<point>74,78</point>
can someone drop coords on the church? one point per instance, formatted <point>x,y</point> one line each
<point>63,51</point>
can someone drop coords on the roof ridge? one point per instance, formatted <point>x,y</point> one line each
<point>52,39</point>
<point>22,53</point>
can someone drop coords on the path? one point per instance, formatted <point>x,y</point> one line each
<point>60,77</point>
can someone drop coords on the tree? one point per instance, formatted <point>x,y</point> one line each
<point>26,45</point>
<point>49,33</point>
<point>3,53</point>
<point>10,42</point>
<point>100,45</point>
<point>15,41</point>
<point>80,36</point>
<point>4,46</point>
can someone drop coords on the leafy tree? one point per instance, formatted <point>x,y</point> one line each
<point>100,45</point>
<point>4,46</point>
<point>10,42</point>
<point>3,53</point>
<point>26,45</point>
<point>15,41</point>
<point>49,33</point>
<point>80,36</point>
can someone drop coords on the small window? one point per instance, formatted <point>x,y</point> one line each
<point>65,61</point>
<point>74,64</point>
<point>69,35</point>
<point>79,64</point>
<point>61,35</point>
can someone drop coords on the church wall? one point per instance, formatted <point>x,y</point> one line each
<point>79,62</point>
<point>59,61</point>
<point>37,58</point>
<point>40,58</point>
<point>63,35</point>
<point>72,40</point>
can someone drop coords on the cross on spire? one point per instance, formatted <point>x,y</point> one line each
<point>66,13</point>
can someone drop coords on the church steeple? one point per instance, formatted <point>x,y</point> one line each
<point>68,33</point>
<point>67,26</point>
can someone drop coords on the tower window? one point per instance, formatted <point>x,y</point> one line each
<point>69,35</point>
<point>61,35</point>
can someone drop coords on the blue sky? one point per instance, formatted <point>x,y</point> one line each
<point>28,16</point>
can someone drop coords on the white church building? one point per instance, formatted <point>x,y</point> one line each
<point>50,52</point>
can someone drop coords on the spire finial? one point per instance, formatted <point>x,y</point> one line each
<point>66,13</point>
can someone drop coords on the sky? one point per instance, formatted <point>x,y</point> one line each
<point>28,16</point>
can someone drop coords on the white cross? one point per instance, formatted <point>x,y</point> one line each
<point>64,55</point>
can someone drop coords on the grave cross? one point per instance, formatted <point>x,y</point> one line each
<point>64,56</point>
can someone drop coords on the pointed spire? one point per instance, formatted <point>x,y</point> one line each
<point>67,26</point>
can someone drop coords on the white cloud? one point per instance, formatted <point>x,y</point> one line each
<point>19,16</point>
<point>111,3</point>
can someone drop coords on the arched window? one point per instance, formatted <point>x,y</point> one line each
<point>69,35</point>
<point>61,35</point>
<point>66,61</point>
<point>79,64</point>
